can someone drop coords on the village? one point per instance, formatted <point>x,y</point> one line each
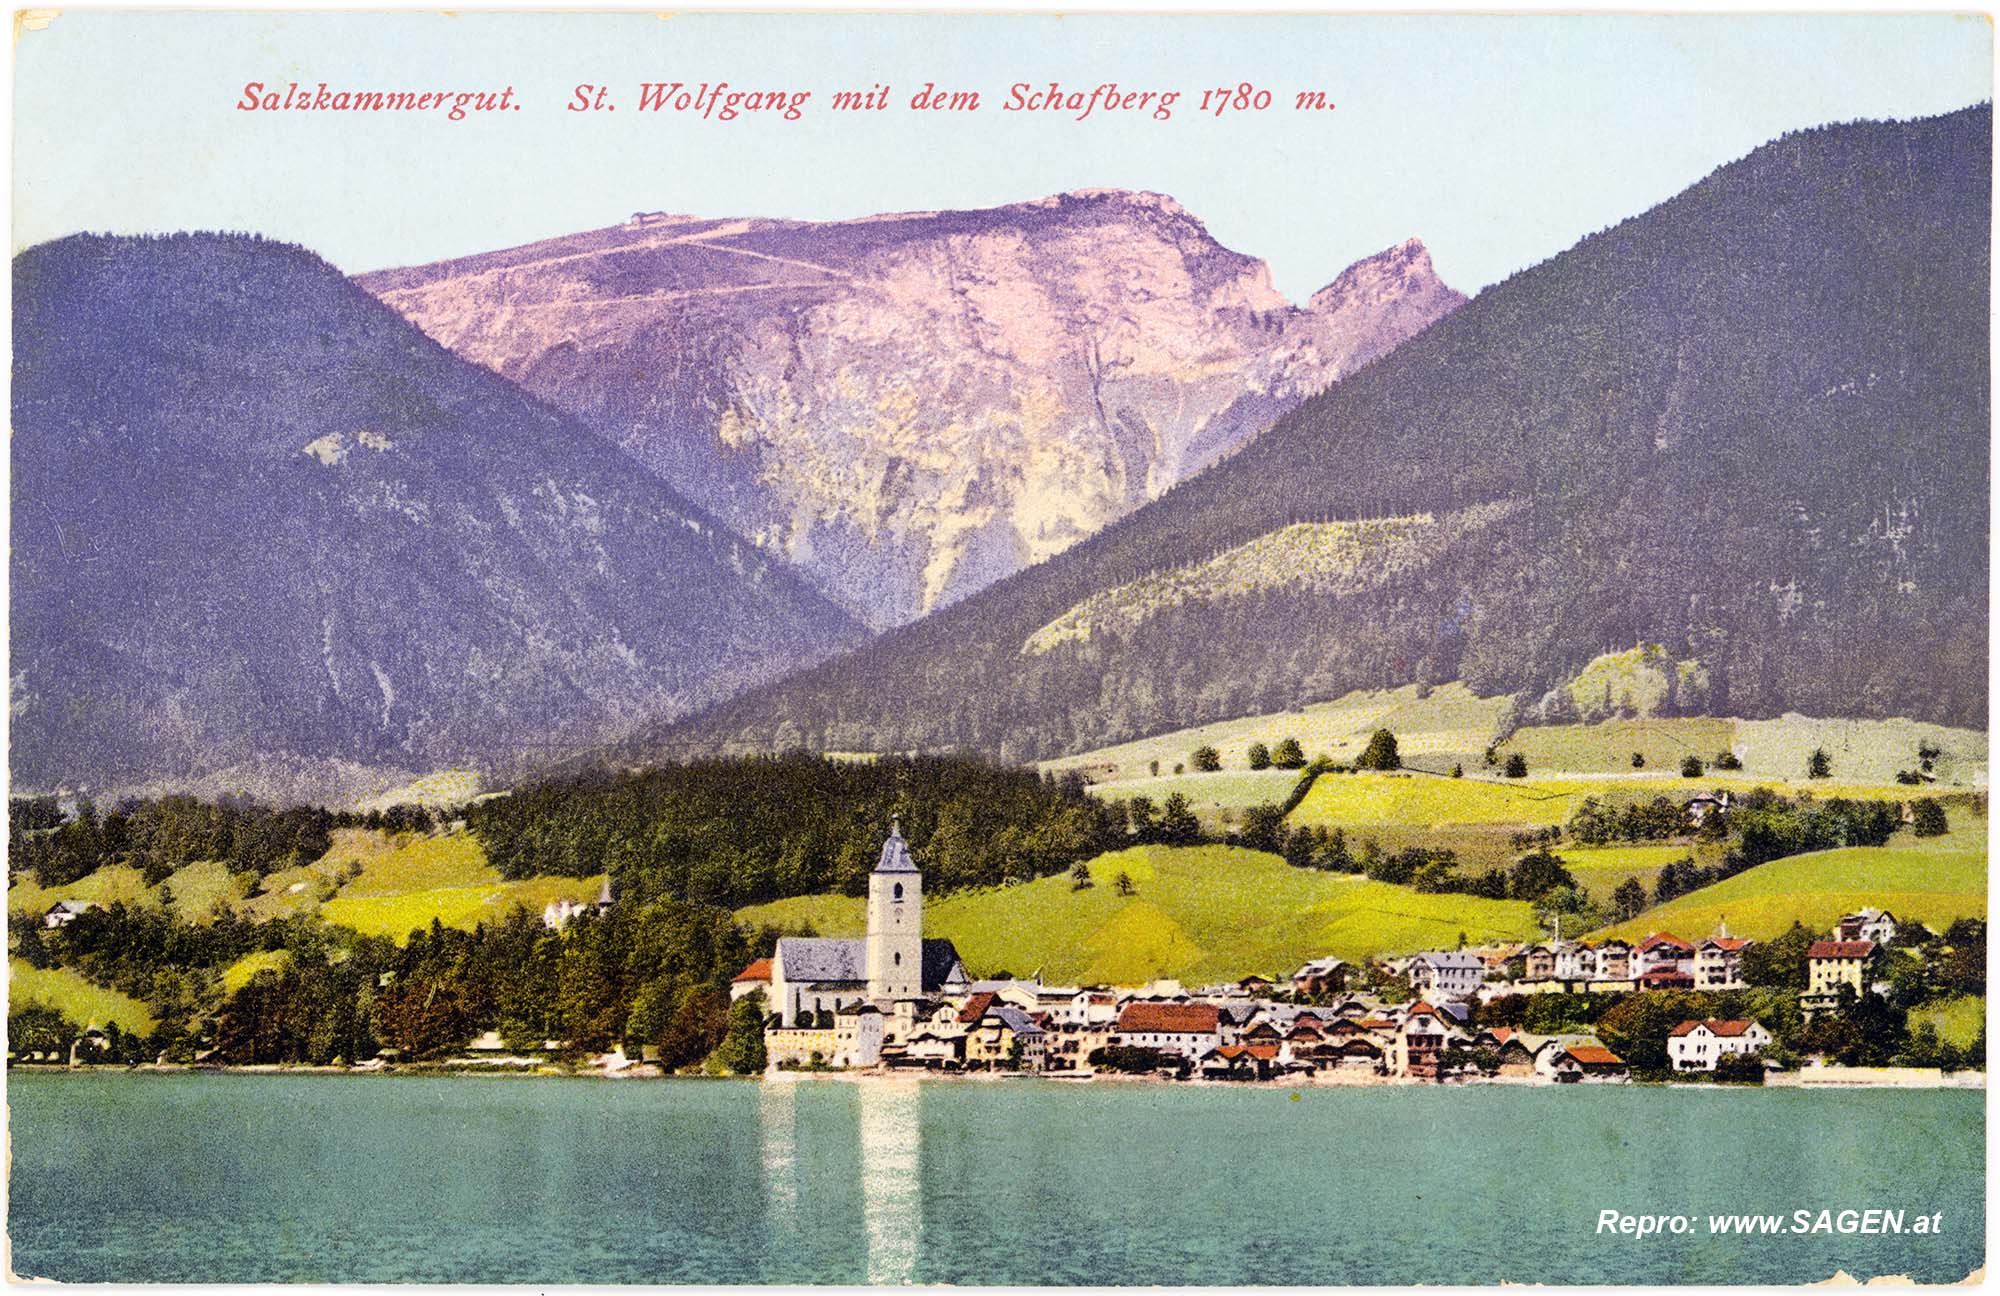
<point>893,1001</point>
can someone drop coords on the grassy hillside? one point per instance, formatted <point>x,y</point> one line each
<point>1957,1020</point>
<point>398,915</point>
<point>1933,880</point>
<point>79,1000</point>
<point>403,882</point>
<point>1427,800</point>
<point>1863,751</point>
<point>1199,914</point>
<point>1449,724</point>
<point>104,886</point>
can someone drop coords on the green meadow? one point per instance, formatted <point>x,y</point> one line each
<point>1933,880</point>
<point>1196,914</point>
<point>1449,724</point>
<point>83,1002</point>
<point>368,880</point>
<point>1958,1021</point>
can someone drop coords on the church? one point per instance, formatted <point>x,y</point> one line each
<point>892,963</point>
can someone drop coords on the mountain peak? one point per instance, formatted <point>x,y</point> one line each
<point>1404,270</point>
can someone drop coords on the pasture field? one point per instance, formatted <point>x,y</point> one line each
<point>1608,747</point>
<point>1933,880</point>
<point>83,1002</point>
<point>1864,752</point>
<point>105,886</point>
<point>1451,724</point>
<point>1216,799</point>
<point>398,914</point>
<point>1198,914</point>
<point>1957,1020</point>
<point>1423,800</point>
<point>1600,869</point>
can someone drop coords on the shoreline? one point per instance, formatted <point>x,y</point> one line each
<point>1892,1078</point>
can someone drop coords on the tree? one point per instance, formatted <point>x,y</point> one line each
<point>1628,899</point>
<point>1517,766</point>
<point>1536,874</point>
<point>1289,755</point>
<point>1178,825</point>
<point>1728,760</point>
<point>1691,766</point>
<point>1928,818</point>
<point>1381,753</point>
<point>1740,1068</point>
<point>1079,877</point>
<point>742,1048</point>
<point>1779,962</point>
<point>1264,830</point>
<point>1123,884</point>
<point>1207,760</point>
<point>1260,756</point>
<point>1819,765</point>
<point>1457,770</point>
<point>1638,760</point>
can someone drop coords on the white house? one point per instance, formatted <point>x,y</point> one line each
<point>1698,1046</point>
<point>1875,925</point>
<point>1454,975</point>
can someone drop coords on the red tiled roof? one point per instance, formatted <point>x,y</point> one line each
<point>1595,1055</point>
<point>1503,1033</point>
<point>1664,939</point>
<point>1685,1028</point>
<point>1419,1007</point>
<point>1374,1023</point>
<point>976,1006</point>
<point>1264,1051</point>
<point>759,970</point>
<point>1168,1018</point>
<point>1840,949</point>
<point>1731,943</point>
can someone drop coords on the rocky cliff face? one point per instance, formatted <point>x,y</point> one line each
<point>912,406</point>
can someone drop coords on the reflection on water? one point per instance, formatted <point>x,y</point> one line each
<point>777,1117</point>
<point>891,1204</point>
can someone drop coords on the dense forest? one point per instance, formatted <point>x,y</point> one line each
<point>1750,425</point>
<point>736,831</point>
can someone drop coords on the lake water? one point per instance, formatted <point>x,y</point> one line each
<point>236,1178</point>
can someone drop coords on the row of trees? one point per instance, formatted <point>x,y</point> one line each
<point>653,975</point>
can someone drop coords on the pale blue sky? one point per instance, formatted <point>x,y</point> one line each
<point>1498,140</point>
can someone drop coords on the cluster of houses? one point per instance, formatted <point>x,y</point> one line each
<point>894,1000</point>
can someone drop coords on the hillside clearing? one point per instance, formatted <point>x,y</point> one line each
<point>83,1002</point>
<point>397,915</point>
<point>1199,914</point>
<point>1958,1021</point>
<point>1932,880</point>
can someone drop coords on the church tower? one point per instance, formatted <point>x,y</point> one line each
<point>895,922</point>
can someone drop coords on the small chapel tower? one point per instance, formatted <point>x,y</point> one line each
<point>895,922</point>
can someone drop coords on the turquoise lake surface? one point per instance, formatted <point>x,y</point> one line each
<point>276,1178</point>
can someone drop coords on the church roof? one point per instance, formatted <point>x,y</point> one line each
<point>823,958</point>
<point>831,960</point>
<point>895,852</point>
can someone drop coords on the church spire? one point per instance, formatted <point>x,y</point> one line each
<point>895,851</point>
